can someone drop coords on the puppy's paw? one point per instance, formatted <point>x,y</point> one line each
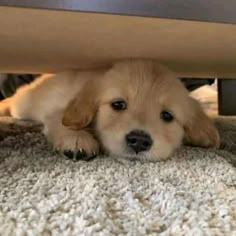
<point>76,145</point>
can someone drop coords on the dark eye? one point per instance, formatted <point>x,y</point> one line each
<point>119,105</point>
<point>167,116</point>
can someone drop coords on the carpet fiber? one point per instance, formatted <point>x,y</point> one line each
<point>42,193</point>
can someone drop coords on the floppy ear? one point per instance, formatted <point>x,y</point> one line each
<point>80,112</point>
<point>199,128</point>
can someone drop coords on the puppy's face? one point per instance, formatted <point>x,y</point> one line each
<point>140,111</point>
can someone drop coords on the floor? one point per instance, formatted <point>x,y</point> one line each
<point>43,193</point>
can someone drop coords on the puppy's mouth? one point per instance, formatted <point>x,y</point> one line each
<point>125,152</point>
<point>133,156</point>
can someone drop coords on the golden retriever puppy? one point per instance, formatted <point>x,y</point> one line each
<point>137,109</point>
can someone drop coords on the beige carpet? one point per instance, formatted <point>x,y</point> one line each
<point>42,193</point>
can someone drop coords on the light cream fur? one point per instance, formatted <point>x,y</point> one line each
<point>75,108</point>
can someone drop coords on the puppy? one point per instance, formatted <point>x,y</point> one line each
<point>137,109</point>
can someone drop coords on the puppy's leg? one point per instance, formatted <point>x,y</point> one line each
<point>5,107</point>
<point>75,144</point>
<point>42,97</point>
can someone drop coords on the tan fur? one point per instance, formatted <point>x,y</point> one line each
<point>5,107</point>
<point>82,99</point>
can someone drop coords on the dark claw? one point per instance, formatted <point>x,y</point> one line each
<point>69,154</point>
<point>81,155</point>
<point>89,158</point>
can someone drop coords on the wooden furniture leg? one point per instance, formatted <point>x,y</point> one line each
<point>227,96</point>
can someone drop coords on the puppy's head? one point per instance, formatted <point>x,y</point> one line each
<point>140,110</point>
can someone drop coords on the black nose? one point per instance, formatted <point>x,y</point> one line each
<point>139,141</point>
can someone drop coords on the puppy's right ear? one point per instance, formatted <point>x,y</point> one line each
<point>82,109</point>
<point>199,128</point>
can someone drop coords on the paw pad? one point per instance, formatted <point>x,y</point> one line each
<point>78,155</point>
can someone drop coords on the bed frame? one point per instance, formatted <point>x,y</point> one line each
<point>196,38</point>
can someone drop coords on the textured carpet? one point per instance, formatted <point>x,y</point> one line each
<point>42,193</point>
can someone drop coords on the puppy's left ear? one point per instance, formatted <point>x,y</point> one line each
<point>199,128</point>
<point>81,110</point>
